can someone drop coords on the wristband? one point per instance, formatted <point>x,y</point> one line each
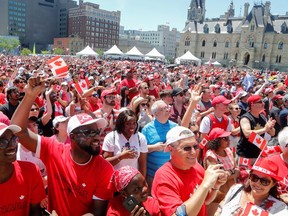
<point>181,211</point>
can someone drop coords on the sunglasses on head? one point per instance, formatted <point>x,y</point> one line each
<point>263,181</point>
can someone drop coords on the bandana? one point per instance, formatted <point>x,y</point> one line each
<point>122,177</point>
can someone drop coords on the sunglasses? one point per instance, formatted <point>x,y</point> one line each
<point>95,95</point>
<point>5,142</point>
<point>181,95</point>
<point>237,108</point>
<point>88,133</point>
<point>144,104</point>
<point>145,87</point>
<point>263,181</point>
<point>127,145</point>
<point>189,148</point>
<point>34,109</point>
<point>111,97</point>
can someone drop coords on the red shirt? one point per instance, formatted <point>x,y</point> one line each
<point>282,172</point>
<point>74,186</point>
<point>25,187</point>
<point>130,84</point>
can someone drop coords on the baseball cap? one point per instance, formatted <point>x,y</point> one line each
<point>108,91</point>
<point>177,91</point>
<point>267,167</point>
<point>84,119</point>
<point>277,97</point>
<point>220,99</point>
<point>177,133</point>
<point>59,119</point>
<point>268,90</point>
<point>217,133</point>
<point>90,78</point>
<point>13,128</point>
<point>243,94</point>
<point>253,99</point>
<point>64,83</point>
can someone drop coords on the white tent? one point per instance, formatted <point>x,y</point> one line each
<point>215,63</point>
<point>187,57</point>
<point>87,51</point>
<point>134,53</point>
<point>113,52</point>
<point>155,54</point>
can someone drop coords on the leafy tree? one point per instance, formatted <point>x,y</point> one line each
<point>8,44</point>
<point>25,52</point>
<point>58,51</point>
<point>45,52</point>
<point>99,51</point>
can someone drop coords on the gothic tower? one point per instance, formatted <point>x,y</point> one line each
<point>196,11</point>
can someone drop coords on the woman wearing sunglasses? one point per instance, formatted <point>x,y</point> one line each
<point>234,111</point>
<point>220,153</point>
<point>261,191</point>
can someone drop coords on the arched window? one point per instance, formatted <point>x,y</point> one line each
<point>251,42</point>
<point>187,41</point>
<point>277,59</point>
<point>280,45</point>
<point>284,28</point>
<point>217,28</point>
<point>265,45</point>
<point>215,43</point>
<point>227,44</point>
<point>229,28</point>
<point>236,56</point>
<point>203,43</point>
<point>206,29</point>
<point>263,58</point>
<point>202,54</point>
<point>237,44</point>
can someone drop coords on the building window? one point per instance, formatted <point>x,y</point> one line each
<point>265,45</point>
<point>215,43</point>
<point>202,54</point>
<point>236,56</point>
<point>252,27</point>
<point>227,44</point>
<point>213,55</point>
<point>203,43</point>
<point>251,42</point>
<point>278,59</point>
<point>187,41</point>
<point>280,45</point>
<point>263,58</point>
<point>284,28</point>
<point>206,29</point>
<point>226,55</point>
<point>237,44</point>
<point>229,28</point>
<point>217,28</point>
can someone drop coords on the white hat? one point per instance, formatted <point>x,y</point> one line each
<point>59,119</point>
<point>90,78</point>
<point>64,83</point>
<point>282,139</point>
<point>177,133</point>
<point>84,119</point>
<point>13,128</point>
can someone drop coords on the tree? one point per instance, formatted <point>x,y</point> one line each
<point>45,52</point>
<point>9,44</point>
<point>99,51</point>
<point>58,51</point>
<point>25,52</point>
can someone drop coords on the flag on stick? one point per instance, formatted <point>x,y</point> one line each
<point>58,67</point>
<point>257,140</point>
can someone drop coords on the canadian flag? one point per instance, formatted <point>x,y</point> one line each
<point>257,140</point>
<point>270,151</point>
<point>253,210</point>
<point>203,143</point>
<point>198,107</point>
<point>82,85</point>
<point>244,162</point>
<point>58,66</point>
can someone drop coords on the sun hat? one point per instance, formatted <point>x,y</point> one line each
<point>267,167</point>
<point>84,119</point>
<point>135,103</point>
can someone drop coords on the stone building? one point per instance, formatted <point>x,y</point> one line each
<point>257,39</point>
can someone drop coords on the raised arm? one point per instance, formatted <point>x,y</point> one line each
<point>27,138</point>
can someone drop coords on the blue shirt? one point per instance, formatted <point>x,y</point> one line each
<point>156,132</point>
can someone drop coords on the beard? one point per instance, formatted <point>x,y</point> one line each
<point>92,151</point>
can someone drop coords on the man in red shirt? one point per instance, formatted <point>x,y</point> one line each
<point>130,83</point>
<point>78,176</point>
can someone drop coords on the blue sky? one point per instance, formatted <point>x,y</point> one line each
<point>148,14</point>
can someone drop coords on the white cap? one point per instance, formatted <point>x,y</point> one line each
<point>90,78</point>
<point>59,119</point>
<point>177,133</point>
<point>13,128</point>
<point>282,139</point>
<point>84,119</point>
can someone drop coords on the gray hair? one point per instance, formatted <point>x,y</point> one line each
<point>283,138</point>
<point>155,106</point>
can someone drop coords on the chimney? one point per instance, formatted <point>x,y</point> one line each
<point>246,8</point>
<point>267,8</point>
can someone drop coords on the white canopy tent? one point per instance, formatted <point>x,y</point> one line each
<point>187,57</point>
<point>87,51</point>
<point>215,63</point>
<point>134,53</point>
<point>113,52</point>
<point>154,54</point>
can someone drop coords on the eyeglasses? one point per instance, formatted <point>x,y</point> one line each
<point>237,108</point>
<point>144,104</point>
<point>225,138</point>
<point>88,133</point>
<point>263,181</point>
<point>189,148</point>
<point>4,142</point>
<point>127,145</point>
<point>34,109</point>
<point>21,81</point>
<point>111,97</point>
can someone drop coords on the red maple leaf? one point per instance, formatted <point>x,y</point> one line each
<point>255,212</point>
<point>269,204</point>
<point>83,85</point>
<point>58,63</point>
<point>258,140</point>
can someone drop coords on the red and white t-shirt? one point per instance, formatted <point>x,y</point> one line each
<point>172,187</point>
<point>25,187</point>
<point>74,186</point>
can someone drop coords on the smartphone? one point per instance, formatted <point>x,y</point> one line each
<point>45,212</point>
<point>130,203</point>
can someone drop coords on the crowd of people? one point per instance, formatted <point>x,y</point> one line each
<point>141,138</point>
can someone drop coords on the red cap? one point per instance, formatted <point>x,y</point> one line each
<point>108,91</point>
<point>267,167</point>
<point>217,133</point>
<point>278,96</point>
<point>220,99</point>
<point>253,99</point>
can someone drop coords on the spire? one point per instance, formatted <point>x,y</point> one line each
<point>196,11</point>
